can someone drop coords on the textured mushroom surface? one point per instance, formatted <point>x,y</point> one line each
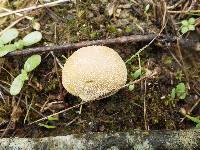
<point>93,72</point>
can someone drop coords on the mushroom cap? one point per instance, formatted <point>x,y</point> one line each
<point>94,72</point>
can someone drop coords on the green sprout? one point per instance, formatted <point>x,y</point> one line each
<point>31,63</point>
<point>146,9</point>
<point>46,124</point>
<point>8,36</point>
<point>193,119</point>
<point>179,92</point>
<point>11,34</point>
<point>131,87</point>
<point>187,25</point>
<point>137,73</point>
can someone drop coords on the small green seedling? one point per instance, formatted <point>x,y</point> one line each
<point>193,119</point>
<point>146,8</point>
<point>31,63</point>
<point>131,87</point>
<point>46,124</point>
<point>179,92</point>
<point>8,36</point>
<point>137,74</point>
<point>11,34</point>
<point>187,25</point>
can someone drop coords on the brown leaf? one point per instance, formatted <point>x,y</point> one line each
<point>16,113</point>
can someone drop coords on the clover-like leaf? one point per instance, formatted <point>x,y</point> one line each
<point>184,30</point>
<point>191,27</point>
<point>136,74</point>
<point>180,91</point>
<point>6,49</point>
<point>9,35</point>
<point>184,23</point>
<point>16,85</point>
<point>32,62</point>
<point>191,21</point>
<point>32,38</point>
<point>131,87</point>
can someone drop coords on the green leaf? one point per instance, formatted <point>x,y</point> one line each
<point>180,91</point>
<point>136,74</point>
<point>180,88</point>
<point>6,49</point>
<point>194,119</point>
<point>52,119</point>
<point>9,35</point>
<point>173,93</point>
<point>32,62</point>
<point>184,30</point>
<point>1,43</point>
<point>131,87</point>
<point>128,29</point>
<point>191,21</point>
<point>24,75</point>
<point>147,8</point>
<point>32,38</point>
<point>19,44</point>
<point>35,25</point>
<point>185,23</point>
<point>198,126</point>
<point>181,95</point>
<point>47,126</point>
<point>191,27</point>
<point>17,85</point>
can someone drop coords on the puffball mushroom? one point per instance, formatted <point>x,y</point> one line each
<point>94,72</point>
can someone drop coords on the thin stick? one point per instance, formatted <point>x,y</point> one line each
<point>7,90</point>
<point>34,7</point>
<point>70,46</point>
<point>1,96</point>
<point>145,107</point>
<point>190,111</point>
<point>183,11</point>
<point>155,72</point>
<point>69,123</point>
<point>146,46</point>
<point>60,112</point>
<point>12,24</point>
<point>28,109</point>
<point>18,14</point>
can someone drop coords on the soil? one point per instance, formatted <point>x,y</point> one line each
<point>149,106</point>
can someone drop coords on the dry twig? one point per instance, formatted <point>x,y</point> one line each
<point>119,40</point>
<point>51,4</point>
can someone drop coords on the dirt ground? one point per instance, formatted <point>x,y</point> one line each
<point>149,106</point>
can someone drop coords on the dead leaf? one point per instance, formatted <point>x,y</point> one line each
<point>3,4</point>
<point>111,8</point>
<point>16,113</point>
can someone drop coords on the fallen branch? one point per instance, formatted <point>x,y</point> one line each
<point>119,40</point>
